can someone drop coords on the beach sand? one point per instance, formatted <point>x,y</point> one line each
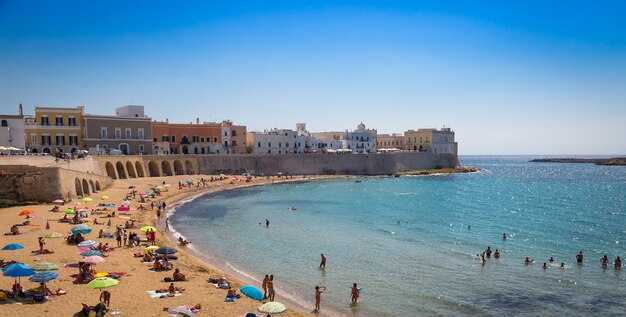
<point>130,296</point>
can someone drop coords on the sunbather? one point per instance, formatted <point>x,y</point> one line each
<point>178,276</point>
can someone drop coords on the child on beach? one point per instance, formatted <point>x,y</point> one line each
<point>355,293</point>
<point>318,295</point>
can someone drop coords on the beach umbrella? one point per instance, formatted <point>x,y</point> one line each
<point>82,210</point>
<point>101,274</point>
<point>10,266</point>
<point>45,266</point>
<point>147,228</point>
<point>125,202</point>
<point>69,211</point>
<point>52,235</point>
<point>147,192</point>
<point>91,253</point>
<point>158,187</point>
<point>86,199</point>
<point>93,259</point>
<point>165,250</point>
<point>58,201</point>
<point>251,292</point>
<point>272,308</point>
<point>104,197</point>
<point>12,247</point>
<point>42,277</point>
<point>17,270</point>
<point>102,282</point>
<point>181,311</point>
<point>25,212</point>
<point>189,181</point>
<point>150,248</point>
<point>82,229</point>
<point>87,244</point>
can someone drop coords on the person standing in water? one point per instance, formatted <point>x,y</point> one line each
<point>355,293</point>
<point>167,224</point>
<point>267,222</point>
<point>504,236</point>
<point>318,296</point>
<point>264,285</point>
<point>579,257</point>
<point>323,262</point>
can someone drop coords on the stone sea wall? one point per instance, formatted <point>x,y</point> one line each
<point>325,164</point>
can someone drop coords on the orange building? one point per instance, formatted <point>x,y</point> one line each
<point>198,138</point>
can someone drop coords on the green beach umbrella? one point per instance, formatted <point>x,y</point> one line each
<point>102,282</point>
<point>104,197</point>
<point>69,211</point>
<point>87,199</point>
<point>45,266</point>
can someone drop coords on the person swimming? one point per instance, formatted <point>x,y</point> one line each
<point>504,236</point>
<point>545,265</point>
<point>551,260</point>
<point>496,254</point>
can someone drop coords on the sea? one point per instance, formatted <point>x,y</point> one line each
<point>410,243</point>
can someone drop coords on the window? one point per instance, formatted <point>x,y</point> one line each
<point>45,140</point>
<point>118,133</point>
<point>44,120</point>
<point>140,134</point>
<point>141,148</point>
<point>215,140</point>
<point>202,141</point>
<point>33,138</point>
<point>233,133</point>
<point>165,138</point>
<point>129,134</point>
<point>234,143</point>
<point>71,121</point>
<point>259,144</point>
<point>269,144</point>
<point>104,133</point>
<point>287,144</point>
<point>59,120</point>
<point>279,144</point>
<point>60,140</point>
<point>173,138</point>
<point>225,143</point>
<point>4,123</point>
<point>73,140</point>
<point>225,133</point>
<point>194,139</point>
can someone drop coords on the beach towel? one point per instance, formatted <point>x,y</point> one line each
<point>45,251</point>
<point>154,294</point>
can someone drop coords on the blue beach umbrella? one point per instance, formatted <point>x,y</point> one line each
<point>251,292</point>
<point>82,229</point>
<point>42,277</point>
<point>11,266</point>
<point>91,253</point>
<point>165,250</point>
<point>87,244</point>
<point>12,246</point>
<point>18,270</point>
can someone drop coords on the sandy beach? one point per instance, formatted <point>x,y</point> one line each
<point>130,296</point>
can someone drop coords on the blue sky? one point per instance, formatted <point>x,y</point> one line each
<point>537,77</point>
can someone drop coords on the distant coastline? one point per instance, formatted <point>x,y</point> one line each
<point>455,170</point>
<point>610,161</point>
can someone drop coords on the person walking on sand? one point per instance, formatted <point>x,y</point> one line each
<point>152,205</point>
<point>355,293</point>
<point>264,285</point>
<point>323,262</point>
<point>42,243</point>
<point>270,288</point>
<point>167,224</point>
<point>318,296</point>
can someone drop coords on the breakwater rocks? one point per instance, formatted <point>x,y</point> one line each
<point>455,170</point>
<point>610,161</point>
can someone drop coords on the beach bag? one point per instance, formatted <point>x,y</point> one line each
<point>3,296</point>
<point>167,279</point>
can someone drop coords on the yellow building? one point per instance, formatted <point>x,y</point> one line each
<point>430,140</point>
<point>54,130</point>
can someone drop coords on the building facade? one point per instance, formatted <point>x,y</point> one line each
<point>198,138</point>
<point>390,141</point>
<point>362,140</point>
<point>12,132</point>
<point>275,141</point>
<point>54,130</point>
<point>129,131</point>
<point>431,140</point>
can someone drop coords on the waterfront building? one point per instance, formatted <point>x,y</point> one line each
<point>431,140</point>
<point>12,130</point>
<point>129,131</point>
<point>198,138</point>
<point>54,130</point>
<point>275,141</point>
<point>390,141</point>
<point>362,140</point>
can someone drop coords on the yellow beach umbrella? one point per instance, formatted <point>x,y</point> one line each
<point>87,199</point>
<point>101,274</point>
<point>104,197</point>
<point>150,248</point>
<point>148,228</point>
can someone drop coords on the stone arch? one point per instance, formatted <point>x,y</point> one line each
<point>110,170</point>
<point>166,168</point>
<point>86,191</point>
<point>97,185</point>
<point>120,170</point>
<point>139,169</point>
<point>178,168</point>
<point>153,168</point>
<point>189,167</point>
<point>131,170</point>
<point>46,150</point>
<point>79,187</point>
<point>92,187</point>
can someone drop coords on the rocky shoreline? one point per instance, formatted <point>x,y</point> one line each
<point>456,170</point>
<point>621,161</point>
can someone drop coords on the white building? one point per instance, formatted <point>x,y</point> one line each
<point>362,140</point>
<point>12,131</point>
<point>276,141</point>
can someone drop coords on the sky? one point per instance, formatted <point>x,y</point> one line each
<point>531,77</point>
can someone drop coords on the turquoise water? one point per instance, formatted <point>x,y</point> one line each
<point>425,265</point>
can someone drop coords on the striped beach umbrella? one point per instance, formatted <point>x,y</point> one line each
<point>93,259</point>
<point>42,277</point>
<point>272,308</point>
<point>82,229</point>
<point>87,244</point>
<point>91,253</point>
<point>45,266</point>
